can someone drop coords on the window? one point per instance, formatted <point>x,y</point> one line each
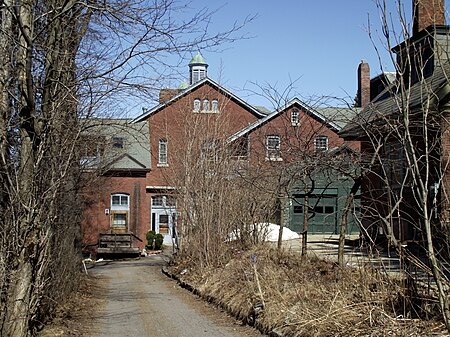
<point>198,74</point>
<point>328,209</point>
<point>119,219</point>
<point>196,105</point>
<point>240,148</point>
<point>298,209</point>
<point>273,147</point>
<point>118,142</point>
<point>162,154</point>
<point>211,150</point>
<point>215,105</point>
<point>321,143</point>
<point>171,201</point>
<point>120,200</point>
<point>294,117</point>
<point>159,201</point>
<point>206,105</point>
<point>91,150</point>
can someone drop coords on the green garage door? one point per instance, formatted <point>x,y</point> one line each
<point>322,213</point>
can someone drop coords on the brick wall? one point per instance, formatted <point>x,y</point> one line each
<point>96,198</point>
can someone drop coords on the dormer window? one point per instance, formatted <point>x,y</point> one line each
<point>294,117</point>
<point>206,106</point>
<point>196,105</point>
<point>118,142</point>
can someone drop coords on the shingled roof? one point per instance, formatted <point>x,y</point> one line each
<point>393,101</point>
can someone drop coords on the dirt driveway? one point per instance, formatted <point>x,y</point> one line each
<point>141,301</point>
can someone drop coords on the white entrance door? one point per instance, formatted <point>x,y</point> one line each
<point>163,216</point>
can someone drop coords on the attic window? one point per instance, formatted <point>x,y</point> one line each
<point>118,142</point>
<point>206,106</point>
<point>294,117</point>
<point>196,105</point>
<point>215,105</point>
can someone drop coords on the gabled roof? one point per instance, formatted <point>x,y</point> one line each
<point>327,116</point>
<point>159,107</point>
<point>135,152</point>
<point>389,102</point>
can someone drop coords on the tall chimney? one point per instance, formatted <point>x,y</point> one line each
<point>363,84</point>
<point>427,13</point>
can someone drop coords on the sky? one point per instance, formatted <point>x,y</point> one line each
<point>312,48</point>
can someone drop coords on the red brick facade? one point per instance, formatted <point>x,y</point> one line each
<point>98,212</point>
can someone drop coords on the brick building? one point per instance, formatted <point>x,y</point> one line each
<point>299,138</point>
<point>416,103</point>
<point>116,161</point>
<point>138,194</point>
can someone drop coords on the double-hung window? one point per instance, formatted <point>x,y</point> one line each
<point>321,143</point>
<point>162,152</point>
<point>273,144</point>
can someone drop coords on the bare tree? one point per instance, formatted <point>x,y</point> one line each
<point>62,60</point>
<point>404,129</point>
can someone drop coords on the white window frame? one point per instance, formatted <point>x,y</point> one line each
<point>124,200</point>
<point>295,114</point>
<point>164,201</point>
<point>206,107</point>
<point>273,147</point>
<point>163,152</point>
<point>197,104</point>
<point>215,106</point>
<point>321,143</point>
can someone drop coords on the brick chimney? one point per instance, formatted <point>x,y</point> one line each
<point>363,96</point>
<point>427,13</point>
<point>167,94</point>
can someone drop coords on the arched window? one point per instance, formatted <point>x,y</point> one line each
<point>196,105</point>
<point>120,200</point>
<point>215,105</point>
<point>206,106</point>
<point>120,207</point>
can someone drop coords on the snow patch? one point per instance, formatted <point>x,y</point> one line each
<point>268,232</point>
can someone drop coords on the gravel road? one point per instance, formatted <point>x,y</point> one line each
<point>141,301</point>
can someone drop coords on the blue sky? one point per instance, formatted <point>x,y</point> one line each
<point>315,44</point>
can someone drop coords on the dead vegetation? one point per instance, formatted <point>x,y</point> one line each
<point>75,317</point>
<point>287,295</point>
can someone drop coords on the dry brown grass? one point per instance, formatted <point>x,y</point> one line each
<point>75,317</point>
<point>307,297</point>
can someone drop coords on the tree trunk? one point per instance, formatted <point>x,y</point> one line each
<point>344,219</point>
<point>305,227</point>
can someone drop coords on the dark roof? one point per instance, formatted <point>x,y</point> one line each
<point>391,101</point>
<point>206,80</point>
